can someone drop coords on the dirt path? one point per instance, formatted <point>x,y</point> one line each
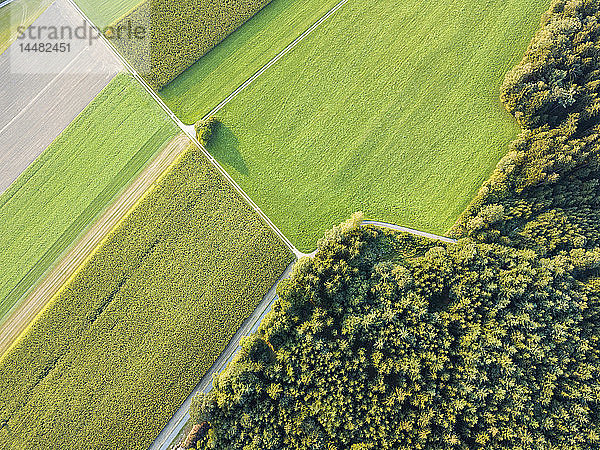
<point>276,58</point>
<point>24,313</point>
<point>391,226</point>
<point>189,129</point>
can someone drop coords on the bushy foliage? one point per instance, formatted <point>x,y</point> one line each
<point>389,342</point>
<point>205,129</point>
<point>560,74</point>
<point>142,320</point>
<point>177,34</point>
<point>548,186</point>
<point>385,341</point>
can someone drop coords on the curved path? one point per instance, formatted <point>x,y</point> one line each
<point>174,427</point>
<point>6,3</point>
<point>391,226</point>
<point>25,311</point>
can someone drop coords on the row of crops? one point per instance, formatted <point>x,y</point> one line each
<point>163,38</point>
<point>74,179</point>
<point>143,319</point>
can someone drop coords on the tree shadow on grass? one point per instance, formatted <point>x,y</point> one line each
<point>224,146</point>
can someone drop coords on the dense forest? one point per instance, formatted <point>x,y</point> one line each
<point>388,341</point>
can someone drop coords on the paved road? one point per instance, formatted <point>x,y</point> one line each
<point>26,310</point>
<point>182,416</point>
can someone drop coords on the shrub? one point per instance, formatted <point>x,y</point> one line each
<point>205,129</point>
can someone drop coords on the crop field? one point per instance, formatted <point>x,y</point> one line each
<point>390,108</point>
<point>105,12</point>
<point>58,196</point>
<point>42,93</point>
<point>19,13</point>
<point>218,73</point>
<point>142,320</point>
<point>179,33</point>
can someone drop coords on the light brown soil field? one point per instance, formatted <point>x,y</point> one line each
<point>24,313</point>
<point>40,94</point>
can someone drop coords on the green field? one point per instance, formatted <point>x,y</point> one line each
<point>390,108</point>
<point>19,13</point>
<point>75,178</point>
<point>119,349</point>
<point>105,12</point>
<point>214,76</point>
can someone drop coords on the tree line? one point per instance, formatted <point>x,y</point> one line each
<point>389,341</point>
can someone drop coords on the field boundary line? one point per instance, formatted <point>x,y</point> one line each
<point>22,315</point>
<point>190,132</point>
<point>274,60</point>
<point>177,422</point>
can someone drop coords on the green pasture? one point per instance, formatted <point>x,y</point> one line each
<point>389,107</point>
<point>105,12</point>
<point>218,73</point>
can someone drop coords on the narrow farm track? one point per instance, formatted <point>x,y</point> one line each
<point>391,226</point>
<point>276,58</point>
<point>6,3</point>
<point>21,316</point>
<point>173,428</point>
<point>19,319</point>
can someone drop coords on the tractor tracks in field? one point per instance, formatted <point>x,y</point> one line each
<point>274,60</point>
<point>19,319</point>
<point>26,310</point>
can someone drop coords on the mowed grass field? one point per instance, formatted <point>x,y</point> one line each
<point>105,12</point>
<point>115,354</point>
<point>214,76</point>
<point>19,13</point>
<point>389,107</point>
<point>76,177</point>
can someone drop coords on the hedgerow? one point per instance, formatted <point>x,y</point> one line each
<point>177,34</point>
<point>121,346</point>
